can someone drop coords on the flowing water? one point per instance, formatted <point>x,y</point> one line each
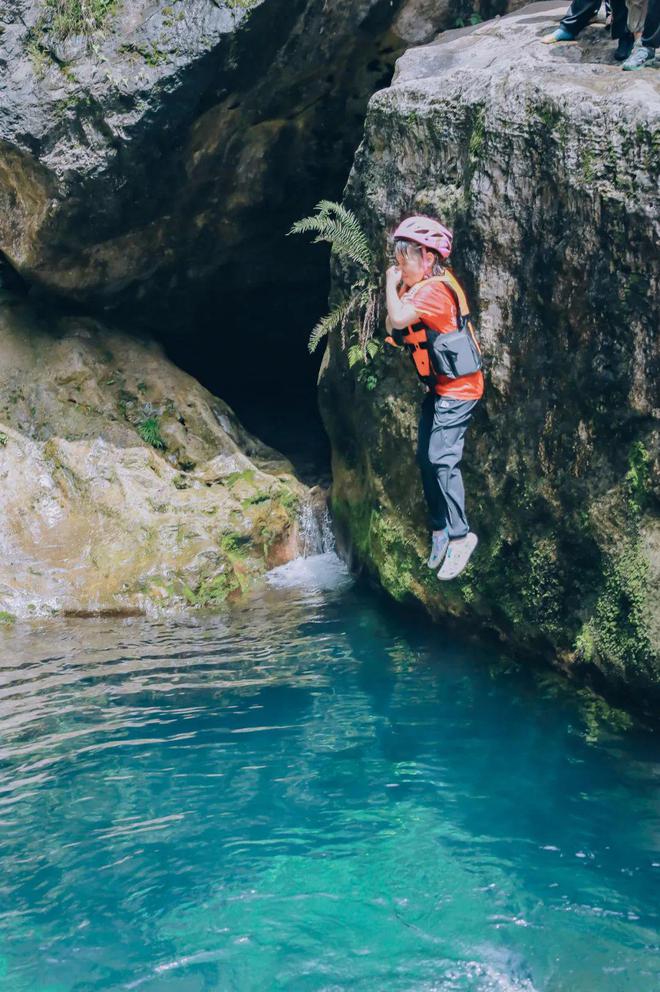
<point>315,792</point>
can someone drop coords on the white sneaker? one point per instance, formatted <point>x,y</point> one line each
<point>457,557</point>
<point>439,547</point>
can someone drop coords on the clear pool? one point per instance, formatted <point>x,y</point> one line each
<point>315,792</point>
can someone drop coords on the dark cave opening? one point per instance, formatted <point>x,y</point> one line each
<point>249,347</point>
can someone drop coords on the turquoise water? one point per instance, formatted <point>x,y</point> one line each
<point>315,793</point>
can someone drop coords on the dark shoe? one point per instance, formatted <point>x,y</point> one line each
<point>624,48</point>
<point>641,56</point>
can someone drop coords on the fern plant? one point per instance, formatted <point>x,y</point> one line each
<point>339,226</point>
<point>149,431</point>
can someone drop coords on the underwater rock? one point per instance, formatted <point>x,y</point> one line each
<point>546,161</point>
<point>125,484</point>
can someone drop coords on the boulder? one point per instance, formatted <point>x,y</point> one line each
<point>126,486</point>
<point>545,159</point>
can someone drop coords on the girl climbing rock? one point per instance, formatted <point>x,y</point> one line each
<point>427,312</point>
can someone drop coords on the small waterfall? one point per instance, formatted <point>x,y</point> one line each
<point>316,536</point>
<point>317,570</point>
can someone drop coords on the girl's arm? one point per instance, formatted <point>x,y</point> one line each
<point>399,314</point>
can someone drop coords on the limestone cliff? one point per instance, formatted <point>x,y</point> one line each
<point>125,484</point>
<point>547,163</point>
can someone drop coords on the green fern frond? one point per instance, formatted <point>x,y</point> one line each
<point>354,355</point>
<point>335,318</point>
<point>340,227</point>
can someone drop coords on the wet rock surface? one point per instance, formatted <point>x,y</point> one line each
<point>126,485</point>
<point>546,161</point>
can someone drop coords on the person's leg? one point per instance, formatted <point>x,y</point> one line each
<point>643,54</point>
<point>636,16</point>
<point>620,30</point>
<point>576,18</point>
<point>450,421</point>
<point>432,494</point>
<point>434,498</point>
<point>651,32</point>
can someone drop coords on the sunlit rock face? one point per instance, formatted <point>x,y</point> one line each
<point>125,484</point>
<point>546,161</point>
<point>140,164</point>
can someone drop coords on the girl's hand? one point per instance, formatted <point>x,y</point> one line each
<point>393,275</point>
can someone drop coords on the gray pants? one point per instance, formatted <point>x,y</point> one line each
<point>442,428</point>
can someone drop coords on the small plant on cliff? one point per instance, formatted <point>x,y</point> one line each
<point>149,431</point>
<point>333,223</point>
<point>637,477</point>
<point>69,17</point>
<point>61,19</point>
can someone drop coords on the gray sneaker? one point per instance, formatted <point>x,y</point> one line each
<point>457,557</point>
<point>639,57</point>
<point>438,548</point>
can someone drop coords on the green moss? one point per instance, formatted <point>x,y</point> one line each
<point>549,115</point>
<point>234,544</point>
<point>585,644</point>
<point>255,499</point>
<point>394,555</point>
<point>600,717</point>
<point>541,588</point>
<point>588,165</point>
<point>212,591</point>
<point>7,618</point>
<point>38,54</point>
<point>618,632</point>
<point>270,524</point>
<point>152,54</point>
<point>3,439</point>
<point>241,4</point>
<point>288,499</point>
<point>478,134</point>
<point>234,478</point>
<point>638,477</point>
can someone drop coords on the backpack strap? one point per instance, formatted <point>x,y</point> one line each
<point>453,285</point>
<point>450,280</point>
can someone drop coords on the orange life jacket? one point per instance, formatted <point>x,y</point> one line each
<point>416,338</point>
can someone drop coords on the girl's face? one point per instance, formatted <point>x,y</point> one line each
<point>413,266</point>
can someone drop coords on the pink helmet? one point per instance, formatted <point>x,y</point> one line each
<point>427,232</point>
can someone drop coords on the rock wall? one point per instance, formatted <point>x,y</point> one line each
<point>126,485</point>
<point>546,161</point>
<point>136,165</point>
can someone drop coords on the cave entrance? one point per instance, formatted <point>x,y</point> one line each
<point>249,347</point>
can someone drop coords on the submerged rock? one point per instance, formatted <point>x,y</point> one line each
<point>546,160</point>
<point>125,484</point>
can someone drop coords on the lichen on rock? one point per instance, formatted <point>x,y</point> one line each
<point>542,160</point>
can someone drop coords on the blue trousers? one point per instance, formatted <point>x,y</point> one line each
<point>441,437</point>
